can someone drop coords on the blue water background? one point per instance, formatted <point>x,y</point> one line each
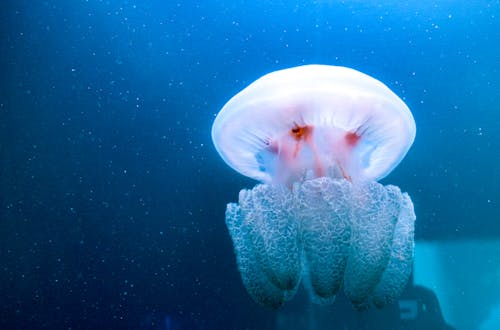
<point>112,196</point>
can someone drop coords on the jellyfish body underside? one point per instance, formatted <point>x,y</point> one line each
<point>327,233</point>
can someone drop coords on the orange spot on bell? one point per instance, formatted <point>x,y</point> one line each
<point>301,132</point>
<point>352,138</point>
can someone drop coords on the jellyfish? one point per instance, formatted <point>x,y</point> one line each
<point>318,138</point>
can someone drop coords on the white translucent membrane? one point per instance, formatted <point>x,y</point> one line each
<point>254,131</point>
<point>328,233</point>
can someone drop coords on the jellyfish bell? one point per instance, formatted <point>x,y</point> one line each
<point>319,137</point>
<point>330,120</point>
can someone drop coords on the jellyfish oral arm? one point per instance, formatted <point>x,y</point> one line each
<point>328,233</point>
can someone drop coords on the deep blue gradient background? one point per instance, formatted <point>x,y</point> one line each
<point>112,196</point>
